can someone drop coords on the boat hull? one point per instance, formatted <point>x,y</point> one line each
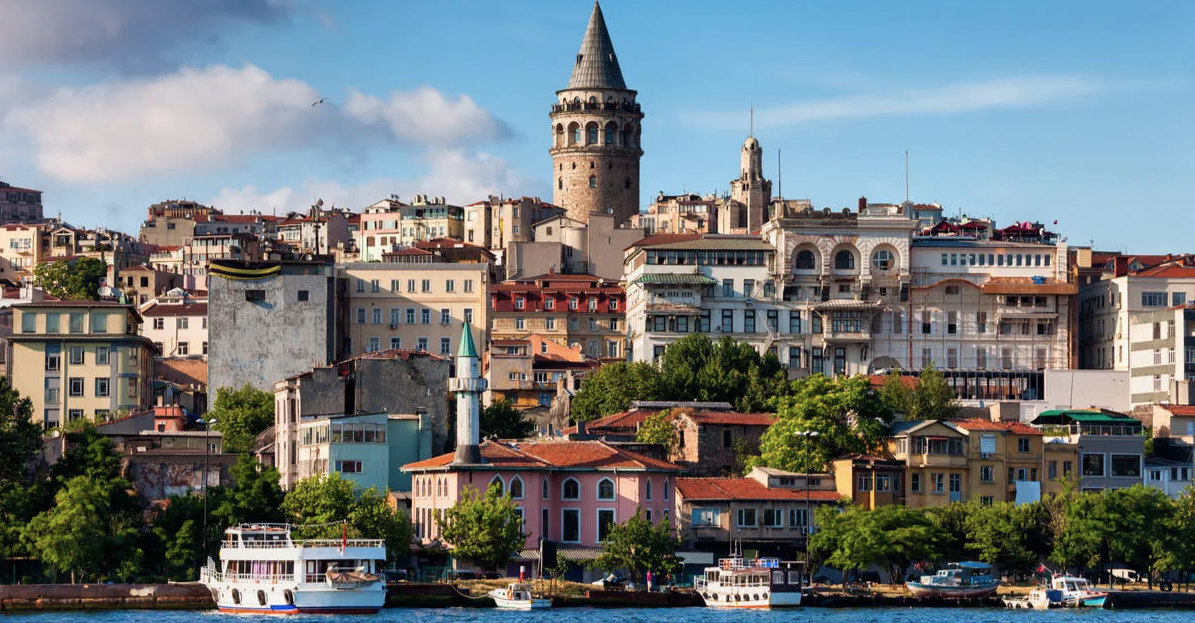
<point>503,603</point>
<point>748,600</point>
<point>279,599</point>
<point>950,592</point>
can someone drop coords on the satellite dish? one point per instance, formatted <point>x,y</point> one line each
<point>104,291</point>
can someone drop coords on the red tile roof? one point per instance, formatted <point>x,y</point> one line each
<point>1011,427</point>
<point>1169,271</point>
<point>175,309</point>
<point>729,489</point>
<point>877,380</point>
<point>732,418</point>
<point>1180,410</point>
<point>595,455</point>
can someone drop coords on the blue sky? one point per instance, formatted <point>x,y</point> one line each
<point>1078,112</point>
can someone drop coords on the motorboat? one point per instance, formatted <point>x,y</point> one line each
<point>1038,599</point>
<point>518,596</point>
<point>1077,592</point>
<point>760,583</point>
<point>957,580</point>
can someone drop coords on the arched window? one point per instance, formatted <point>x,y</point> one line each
<point>605,489</point>
<point>570,489</point>
<point>591,134</point>
<point>883,259</point>
<point>665,491</point>
<point>805,260</point>
<point>497,482</point>
<point>559,135</point>
<point>610,135</point>
<point>844,260</point>
<point>544,488</point>
<point>516,488</point>
<point>592,181</point>
<point>576,138</point>
<point>648,490</point>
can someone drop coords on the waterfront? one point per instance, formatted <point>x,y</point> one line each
<point>641,615</point>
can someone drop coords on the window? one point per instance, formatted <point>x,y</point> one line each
<point>496,482</point>
<point>1126,465</point>
<point>605,489</point>
<point>183,348</point>
<point>75,386</point>
<point>1093,464</point>
<point>951,322</point>
<point>425,286</point>
<point>376,312</point>
<point>1022,444</point>
<point>863,482</point>
<point>395,343</point>
<point>987,474</point>
<point>805,260</point>
<point>746,518</point>
<point>255,296</point>
<point>666,495</point>
<point>915,483</point>
<point>648,490</point>
<point>844,260</point>
<point>883,260</point>
<point>728,321</point>
<point>425,316</point>
<point>570,489</point>
<point>445,346</point>
<point>468,314</point>
<point>749,321</point>
<point>516,488</point>
<point>99,323</point>
<point>727,288</point>
<point>468,285</point>
<point>159,323</point>
<point>937,482</point>
<point>76,355</point>
<point>1153,299</point>
<point>1067,468</point>
<point>450,284</point>
<point>605,519</point>
<point>773,518</point>
<point>705,517</point>
<point>1052,470</point>
<point>520,323</point>
<point>571,525</point>
<point>348,467</point>
<point>76,323</point>
<point>101,388</point>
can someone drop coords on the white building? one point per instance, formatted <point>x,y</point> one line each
<point>177,324</point>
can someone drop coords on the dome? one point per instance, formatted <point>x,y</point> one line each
<point>751,143</point>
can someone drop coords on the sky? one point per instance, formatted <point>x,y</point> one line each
<point>1076,112</point>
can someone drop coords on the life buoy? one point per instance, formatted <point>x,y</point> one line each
<point>510,594</point>
<point>261,598</point>
<point>289,596</point>
<point>236,596</point>
<point>1166,586</point>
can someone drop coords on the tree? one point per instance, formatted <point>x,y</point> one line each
<point>612,388</point>
<point>694,368</point>
<point>1180,555</point>
<point>660,428</point>
<point>1078,528</point>
<point>241,415</point>
<point>76,280</point>
<point>70,536</point>
<point>845,413</point>
<point>891,536</point>
<point>929,398</point>
<point>20,438</point>
<point>1004,534</point>
<point>1135,526</point>
<point>639,546</point>
<point>503,421</point>
<point>484,528</point>
<point>326,503</point>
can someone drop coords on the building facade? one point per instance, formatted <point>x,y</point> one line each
<point>1007,461</point>
<point>176,324</point>
<point>1110,445</point>
<point>936,457</point>
<point>19,205</point>
<point>870,481</point>
<point>596,132</point>
<point>365,448</point>
<point>571,310</point>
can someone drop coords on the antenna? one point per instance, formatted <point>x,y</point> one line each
<point>906,176</point>
<point>779,178</point>
<point>752,120</point>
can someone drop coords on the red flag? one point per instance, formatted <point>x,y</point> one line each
<point>1041,568</point>
<point>344,536</point>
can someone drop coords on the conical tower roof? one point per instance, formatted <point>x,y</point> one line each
<point>467,348</point>
<point>597,66</point>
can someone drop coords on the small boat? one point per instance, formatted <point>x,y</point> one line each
<point>760,584</point>
<point>957,580</point>
<point>1077,592</point>
<point>1037,599</point>
<point>518,596</point>
<point>265,571</point>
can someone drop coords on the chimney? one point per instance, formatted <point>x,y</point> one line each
<point>862,203</point>
<point>581,428</point>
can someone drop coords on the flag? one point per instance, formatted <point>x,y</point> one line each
<point>1041,568</point>
<point>344,536</point>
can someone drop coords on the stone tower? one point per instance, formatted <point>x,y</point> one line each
<point>467,384</point>
<point>751,191</point>
<point>596,127</point>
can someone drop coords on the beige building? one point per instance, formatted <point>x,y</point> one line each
<point>427,218</point>
<point>413,306</point>
<point>495,223</point>
<point>78,359</point>
<point>936,458</point>
<point>379,230</point>
<point>573,310</point>
<point>22,247</point>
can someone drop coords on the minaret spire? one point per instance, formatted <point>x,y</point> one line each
<point>467,384</point>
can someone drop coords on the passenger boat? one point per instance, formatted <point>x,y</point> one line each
<point>761,583</point>
<point>957,580</point>
<point>1077,592</point>
<point>518,596</point>
<point>265,571</point>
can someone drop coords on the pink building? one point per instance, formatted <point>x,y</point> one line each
<point>568,491</point>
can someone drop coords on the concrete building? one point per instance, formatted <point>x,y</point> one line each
<point>366,448</point>
<point>22,247</point>
<point>688,213</point>
<point>596,132</point>
<point>172,223</point>
<point>429,217</point>
<point>936,457</point>
<point>770,511</point>
<point>176,324</point>
<point>77,359</point>
<point>1007,462</point>
<point>1111,446</point>
<point>1169,476</point>
<point>412,305</point>
<point>571,310</point>
<point>565,245</point>
<point>870,481</point>
<point>1143,320</point>
<point>495,222</point>
<point>269,320</point>
<point>318,232</point>
<point>532,372</point>
<point>19,205</point>
<point>142,283</point>
<point>395,383</point>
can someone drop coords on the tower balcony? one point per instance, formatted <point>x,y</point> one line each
<point>466,385</point>
<point>627,107</point>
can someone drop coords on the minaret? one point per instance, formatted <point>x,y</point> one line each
<point>467,385</point>
<point>750,189</point>
<point>596,130</point>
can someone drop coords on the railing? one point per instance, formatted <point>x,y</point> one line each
<point>284,543</point>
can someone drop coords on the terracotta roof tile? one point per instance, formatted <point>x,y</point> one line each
<point>555,455</point>
<point>175,309</point>
<point>732,418</point>
<point>1011,427</point>
<point>746,489</point>
<point>1180,410</point>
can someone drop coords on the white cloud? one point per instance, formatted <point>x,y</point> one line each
<point>1016,92</point>
<point>220,116</point>
<point>458,175</point>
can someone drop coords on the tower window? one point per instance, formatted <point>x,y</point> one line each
<point>560,183</point>
<point>591,164</point>
<point>576,134</point>
<point>593,181</point>
<point>591,134</point>
<point>626,183</point>
<point>609,135</point>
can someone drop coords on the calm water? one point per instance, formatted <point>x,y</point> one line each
<point>674,615</point>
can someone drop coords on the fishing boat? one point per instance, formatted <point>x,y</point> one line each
<point>760,583</point>
<point>1038,599</point>
<point>518,596</point>
<point>263,570</point>
<point>957,580</point>
<point>1077,592</point>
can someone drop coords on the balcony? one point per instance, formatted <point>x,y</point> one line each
<point>847,336</point>
<point>936,460</point>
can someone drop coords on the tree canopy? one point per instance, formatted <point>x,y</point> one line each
<point>503,421</point>
<point>612,387</point>
<point>638,546</point>
<point>890,536</point>
<point>660,428</point>
<point>20,438</point>
<point>241,415</point>
<point>78,279</point>
<point>928,397</point>
<point>484,528</point>
<point>329,500</point>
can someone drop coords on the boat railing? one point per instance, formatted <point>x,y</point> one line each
<point>282,544</point>
<point>245,578</point>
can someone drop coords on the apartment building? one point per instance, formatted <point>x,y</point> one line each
<point>429,217</point>
<point>687,213</point>
<point>861,477</point>
<point>936,457</point>
<point>379,229</point>
<point>1141,318</point>
<point>176,324</point>
<point>496,222</point>
<point>531,372</point>
<point>77,359</point>
<point>172,222</point>
<point>368,449</point>
<point>1007,460</point>
<point>412,305</point>
<point>22,247</point>
<point>142,283</point>
<point>19,205</point>
<point>1110,445</point>
<point>572,310</point>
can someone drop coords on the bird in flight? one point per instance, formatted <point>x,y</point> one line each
<point>318,101</point>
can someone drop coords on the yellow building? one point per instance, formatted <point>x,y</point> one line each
<point>413,306</point>
<point>870,481</point>
<point>22,247</point>
<point>935,456</point>
<point>1005,456</point>
<point>80,359</point>
<point>1062,459</point>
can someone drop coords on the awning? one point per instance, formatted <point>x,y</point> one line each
<point>673,278</point>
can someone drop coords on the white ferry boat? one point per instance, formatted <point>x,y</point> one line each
<point>264,571</point>
<point>761,583</point>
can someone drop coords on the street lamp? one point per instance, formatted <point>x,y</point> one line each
<point>807,436</point>
<point>207,451</point>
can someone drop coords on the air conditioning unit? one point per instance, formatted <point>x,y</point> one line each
<point>985,455</point>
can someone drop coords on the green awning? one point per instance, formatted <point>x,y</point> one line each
<point>1084,416</point>
<point>672,278</point>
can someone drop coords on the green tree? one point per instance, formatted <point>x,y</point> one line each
<point>503,421</point>
<point>20,438</point>
<point>484,528</point>
<point>77,280</point>
<point>929,398</point>
<point>845,413</point>
<point>70,537</point>
<point>326,503</point>
<point>612,388</point>
<point>1180,555</point>
<point>639,546</point>
<point>1078,528</point>
<point>176,549</point>
<point>694,368</point>
<point>241,415</point>
<point>660,428</point>
<point>1136,521</point>
<point>1004,534</point>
